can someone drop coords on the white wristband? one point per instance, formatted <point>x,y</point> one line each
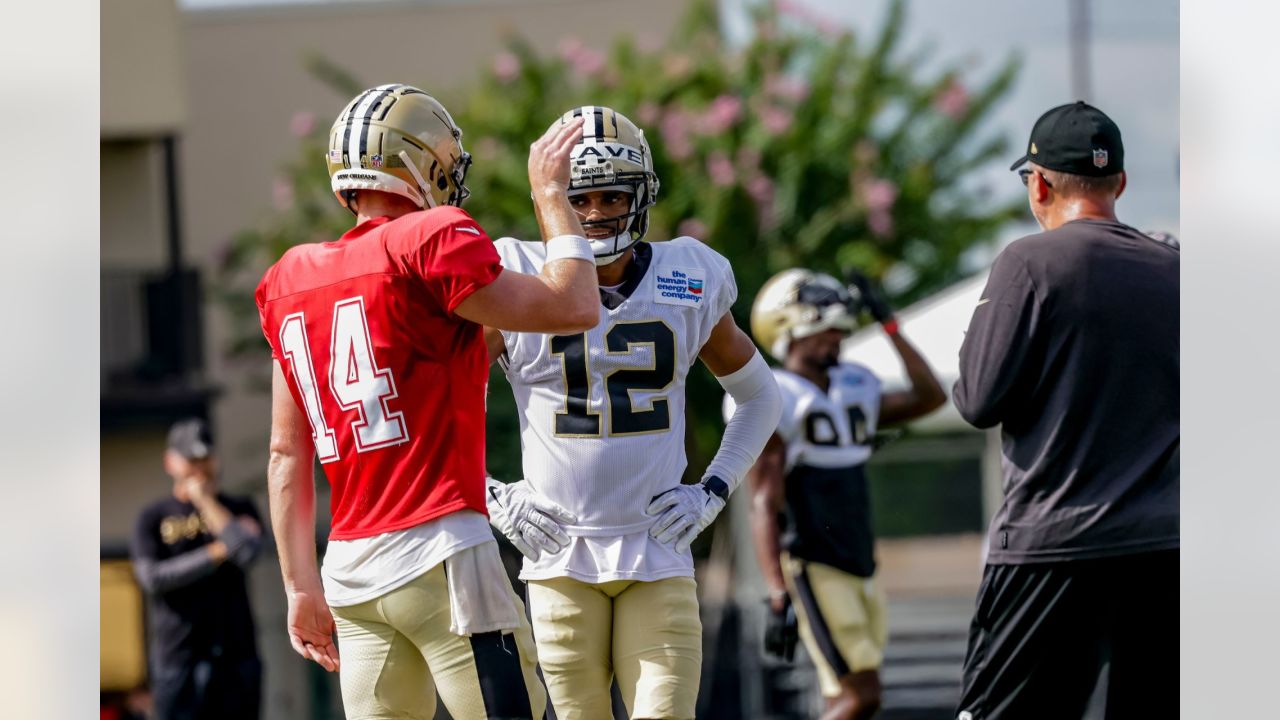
<point>571,247</point>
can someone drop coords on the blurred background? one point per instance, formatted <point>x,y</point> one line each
<point>818,133</point>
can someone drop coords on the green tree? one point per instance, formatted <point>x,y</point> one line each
<point>809,146</point>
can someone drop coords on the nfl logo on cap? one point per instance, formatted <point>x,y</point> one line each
<point>1099,157</point>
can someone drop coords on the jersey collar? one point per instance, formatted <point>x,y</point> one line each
<point>642,255</point>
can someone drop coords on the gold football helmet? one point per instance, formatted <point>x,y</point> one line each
<point>398,139</point>
<point>612,154</point>
<point>797,303</point>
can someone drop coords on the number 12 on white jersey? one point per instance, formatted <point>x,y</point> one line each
<point>355,380</point>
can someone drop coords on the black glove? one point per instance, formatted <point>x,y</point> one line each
<point>872,299</point>
<point>781,632</point>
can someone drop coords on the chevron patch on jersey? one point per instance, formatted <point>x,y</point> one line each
<point>680,286</point>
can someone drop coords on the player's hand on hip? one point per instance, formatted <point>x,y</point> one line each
<point>531,522</point>
<point>311,628</point>
<point>781,631</point>
<point>683,512</point>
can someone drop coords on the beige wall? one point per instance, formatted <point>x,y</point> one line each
<point>142,69</point>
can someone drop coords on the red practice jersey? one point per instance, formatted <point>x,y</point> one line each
<point>390,379</point>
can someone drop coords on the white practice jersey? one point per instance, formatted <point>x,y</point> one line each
<point>602,426</point>
<point>830,429</point>
<point>828,440</point>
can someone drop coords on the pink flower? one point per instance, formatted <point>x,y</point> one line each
<point>720,169</point>
<point>775,119</point>
<point>953,101</point>
<point>789,88</point>
<point>569,48</point>
<point>675,135</point>
<point>302,124</point>
<point>880,223</point>
<point>282,194</point>
<point>692,227</point>
<point>879,195</point>
<point>588,62</point>
<point>760,188</point>
<point>721,115</point>
<point>506,67</point>
<point>647,113</point>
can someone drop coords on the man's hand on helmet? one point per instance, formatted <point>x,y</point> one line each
<point>872,298</point>
<point>549,157</point>
<point>531,522</point>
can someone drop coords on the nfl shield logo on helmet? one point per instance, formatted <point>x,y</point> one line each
<point>375,161</point>
<point>1099,157</point>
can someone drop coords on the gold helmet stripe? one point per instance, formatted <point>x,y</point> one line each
<point>368,119</point>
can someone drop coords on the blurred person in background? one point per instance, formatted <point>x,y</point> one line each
<point>190,552</point>
<point>601,515</point>
<point>1073,350</point>
<point>810,511</point>
<point>380,374</point>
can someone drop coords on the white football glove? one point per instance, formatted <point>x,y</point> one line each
<point>530,521</point>
<point>684,511</point>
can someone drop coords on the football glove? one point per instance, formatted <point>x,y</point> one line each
<point>531,522</point>
<point>781,631</point>
<point>686,510</point>
<point>872,299</point>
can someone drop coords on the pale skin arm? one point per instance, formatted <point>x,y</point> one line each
<point>562,298</point>
<point>923,397</point>
<point>293,516</point>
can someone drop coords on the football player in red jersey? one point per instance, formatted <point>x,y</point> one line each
<point>380,369</point>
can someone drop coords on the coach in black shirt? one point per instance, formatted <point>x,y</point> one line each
<point>190,552</point>
<point>1073,350</point>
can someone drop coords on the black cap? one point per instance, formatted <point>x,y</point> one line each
<point>1079,139</point>
<point>191,439</point>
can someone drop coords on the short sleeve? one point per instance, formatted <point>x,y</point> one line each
<point>260,297</point>
<point>728,294</point>
<point>455,258</point>
<point>788,423</point>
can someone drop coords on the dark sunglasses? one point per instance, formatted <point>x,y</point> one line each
<point>1025,174</point>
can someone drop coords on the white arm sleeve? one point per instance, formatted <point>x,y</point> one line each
<point>759,407</point>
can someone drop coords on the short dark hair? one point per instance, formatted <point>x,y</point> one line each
<point>1070,184</point>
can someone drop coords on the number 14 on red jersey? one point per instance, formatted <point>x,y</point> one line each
<point>355,381</point>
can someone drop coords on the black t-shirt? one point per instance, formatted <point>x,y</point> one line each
<point>1073,348</point>
<point>208,618</point>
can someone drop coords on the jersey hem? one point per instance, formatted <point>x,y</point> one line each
<point>1047,556</point>
<point>427,517</point>
<point>606,577</point>
<point>409,576</point>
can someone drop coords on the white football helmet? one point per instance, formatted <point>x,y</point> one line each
<point>398,139</point>
<point>797,303</point>
<point>613,155</point>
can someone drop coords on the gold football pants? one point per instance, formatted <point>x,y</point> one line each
<point>397,653</point>
<point>842,619</point>
<point>647,634</point>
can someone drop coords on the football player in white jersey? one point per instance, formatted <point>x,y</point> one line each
<point>822,569</point>
<point>601,515</point>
